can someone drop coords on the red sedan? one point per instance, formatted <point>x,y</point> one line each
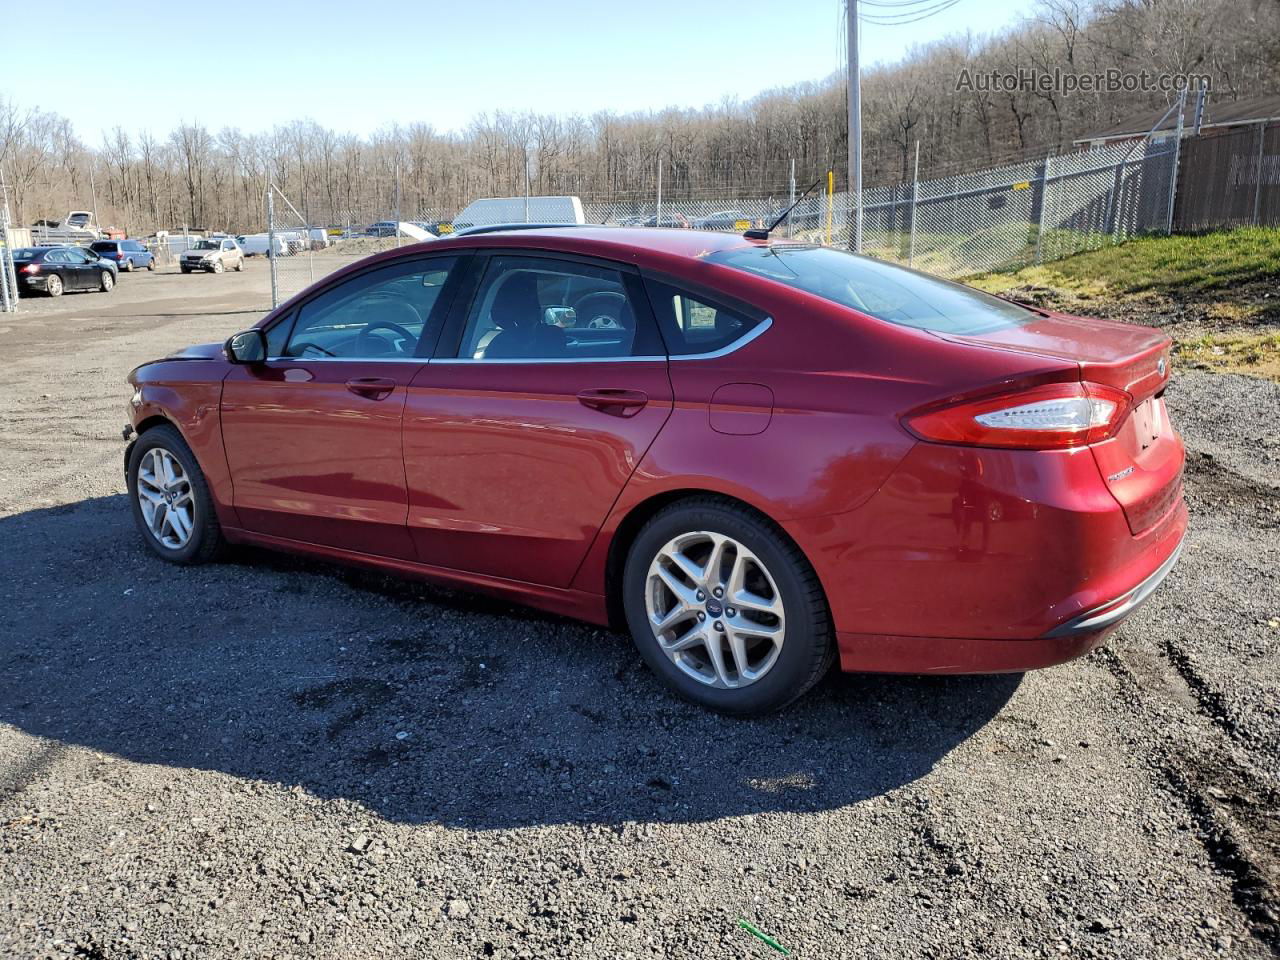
<point>756,455</point>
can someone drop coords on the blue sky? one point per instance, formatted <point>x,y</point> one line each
<point>358,66</point>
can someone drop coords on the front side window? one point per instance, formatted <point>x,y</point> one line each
<point>881,290</point>
<point>534,308</point>
<point>691,325</point>
<point>378,315</point>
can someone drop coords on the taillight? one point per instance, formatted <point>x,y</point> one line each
<point>31,268</point>
<point>1047,417</point>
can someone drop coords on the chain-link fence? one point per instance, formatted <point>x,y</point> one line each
<point>8,272</point>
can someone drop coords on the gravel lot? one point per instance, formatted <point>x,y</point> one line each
<point>277,758</point>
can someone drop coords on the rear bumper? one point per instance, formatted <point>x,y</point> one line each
<point>870,653</point>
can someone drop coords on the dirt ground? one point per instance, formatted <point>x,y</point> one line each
<point>271,757</point>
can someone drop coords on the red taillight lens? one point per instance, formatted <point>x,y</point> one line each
<point>1048,417</point>
<point>31,268</point>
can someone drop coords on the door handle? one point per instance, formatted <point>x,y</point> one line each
<point>619,403</point>
<point>372,388</point>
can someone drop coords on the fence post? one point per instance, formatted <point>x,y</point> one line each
<point>915,202</point>
<point>1257,190</point>
<point>791,195</point>
<point>657,220</point>
<point>271,243</point>
<point>1173,172</point>
<point>1044,201</point>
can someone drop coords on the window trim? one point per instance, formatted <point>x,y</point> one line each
<point>457,275</point>
<point>455,328</point>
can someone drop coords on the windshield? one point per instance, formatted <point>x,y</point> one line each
<point>206,245</point>
<point>879,289</point>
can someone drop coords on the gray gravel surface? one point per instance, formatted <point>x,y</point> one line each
<point>271,757</point>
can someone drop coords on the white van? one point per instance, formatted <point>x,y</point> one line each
<point>257,245</point>
<point>493,210</point>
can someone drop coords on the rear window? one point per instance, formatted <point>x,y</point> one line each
<point>882,290</point>
<point>103,247</point>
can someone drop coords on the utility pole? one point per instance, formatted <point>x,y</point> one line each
<point>526,185</point>
<point>854,83</point>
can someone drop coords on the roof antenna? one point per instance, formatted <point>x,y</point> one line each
<point>762,233</point>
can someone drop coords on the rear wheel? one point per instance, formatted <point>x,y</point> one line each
<point>151,264</point>
<point>240,265</point>
<point>128,266</point>
<point>171,503</point>
<point>53,286</point>
<point>106,282</point>
<point>725,608</point>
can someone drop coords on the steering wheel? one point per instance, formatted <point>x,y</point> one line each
<point>386,325</point>
<point>606,316</point>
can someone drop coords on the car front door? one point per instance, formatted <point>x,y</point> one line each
<point>549,385</point>
<point>313,435</point>
<point>75,269</point>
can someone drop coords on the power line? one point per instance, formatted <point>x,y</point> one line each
<point>894,20</point>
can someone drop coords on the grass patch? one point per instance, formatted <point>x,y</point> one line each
<point>1171,266</point>
<point>1253,354</point>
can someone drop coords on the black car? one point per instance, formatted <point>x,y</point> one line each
<point>54,270</point>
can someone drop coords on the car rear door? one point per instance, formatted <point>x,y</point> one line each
<point>313,435</point>
<point>549,385</point>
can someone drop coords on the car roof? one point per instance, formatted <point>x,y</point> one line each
<point>613,242</point>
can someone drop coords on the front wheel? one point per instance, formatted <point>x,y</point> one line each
<point>217,266</point>
<point>725,608</point>
<point>106,282</point>
<point>171,503</point>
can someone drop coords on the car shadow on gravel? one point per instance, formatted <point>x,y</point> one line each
<point>422,704</point>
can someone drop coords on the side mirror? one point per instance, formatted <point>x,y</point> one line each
<point>250,346</point>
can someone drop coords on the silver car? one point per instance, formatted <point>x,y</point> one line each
<point>214,256</point>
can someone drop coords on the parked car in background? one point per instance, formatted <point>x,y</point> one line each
<point>383,228</point>
<point>677,220</point>
<point>212,255</point>
<point>731,220</point>
<point>129,255</point>
<point>59,270</point>
<point>759,456</point>
<point>258,245</point>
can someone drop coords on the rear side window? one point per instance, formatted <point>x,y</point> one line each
<point>693,324</point>
<point>878,289</point>
<point>541,308</point>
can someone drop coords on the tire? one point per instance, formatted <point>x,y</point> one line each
<point>106,283</point>
<point>240,265</point>
<point>801,650</point>
<point>204,539</point>
<point>53,286</point>
<point>217,266</point>
<point>128,266</point>
<point>151,264</point>
<point>185,269</point>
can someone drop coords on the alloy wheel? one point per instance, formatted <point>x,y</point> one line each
<point>165,496</point>
<point>715,610</point>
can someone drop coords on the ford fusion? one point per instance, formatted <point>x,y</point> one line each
<point>756,456</point>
